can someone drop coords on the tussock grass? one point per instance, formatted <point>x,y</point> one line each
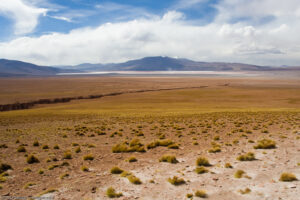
<point>201,170</point>
<point>265,144</point>
<point>169,159</point>
<point>246,157</point>
<point>88,157</point>
<point>239,173</point>
<point>245,191</point>
<point>4,167</point>
<point>132,159</point>
<point>201,194</point>
<point>21,149</point>
<point>288,177</point>
<point>32,159</point>
<point>84,168</point>
<point>111,193</point>
<point>176,181</point>
<point>228,165</point>
<point>202,161</point>
<point>67,155</point>
<point>116,170</point>
<point>133,179</point>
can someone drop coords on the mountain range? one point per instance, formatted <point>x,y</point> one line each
<point>158,63</point>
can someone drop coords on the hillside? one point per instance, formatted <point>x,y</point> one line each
<point>10,68</point>
<point>160,63</point>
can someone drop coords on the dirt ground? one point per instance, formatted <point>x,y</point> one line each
<point>234,122</point>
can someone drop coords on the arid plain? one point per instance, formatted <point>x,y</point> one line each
<point>223,138</point>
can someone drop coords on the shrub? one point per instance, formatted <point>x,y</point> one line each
<point>32,159</point>
<point>111,193</point>
<point>201,194</point>
<point>189,195</point>
<point>56,147</point>
<point>228,165</point>
<point>21,149</point>
<point>133,179</point>
<point>41,171</point>
<point>288,177</point>
<point>88,157</point>
<point>169,159</point>
<point>1,187</point>
<point>84,168</point>
<point>239,173</point>
<point>132,159</point>
<point>201,170</point>
<point>116,170</point>
<point>125,174</point>
<point>173,146</point>
<point>64,176</point>
<point>4,146</point>
<point>77,150</point>
<point>45,147</point>
<point>67,155</point>
<point>36,143</point>
<point>119,148</point>
<point>246,157</point>
<point>29,185</point>
<point>214,150</point>
<point>51,167</point>
<point>245,191</point>
<point>265,144</point>
<point>4,167</point>
<point>27,169</point>
<point>202,161</point>
<point>176,181</point>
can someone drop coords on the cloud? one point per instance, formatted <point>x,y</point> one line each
<point>25,16</point>
<point>274,43</point>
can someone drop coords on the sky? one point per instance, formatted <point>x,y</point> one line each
<point>70,32</point>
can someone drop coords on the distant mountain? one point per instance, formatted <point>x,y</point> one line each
<point>10,68</point>
<point>160,63</point>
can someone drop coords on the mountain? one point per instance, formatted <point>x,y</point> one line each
<point>160,63</point>
<point>10,68</point>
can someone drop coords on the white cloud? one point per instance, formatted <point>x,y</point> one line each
<point>24,15</point>
<point>274,43</point>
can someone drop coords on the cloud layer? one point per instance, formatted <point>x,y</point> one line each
<point>25,16</point>
<point>259,31</point>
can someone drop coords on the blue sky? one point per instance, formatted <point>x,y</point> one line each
<point>252,31</point>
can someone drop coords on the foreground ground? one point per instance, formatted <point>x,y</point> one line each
<point>231,115</point>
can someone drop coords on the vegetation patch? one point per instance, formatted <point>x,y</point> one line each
<point>288,177</point>
<point>201,194</point>
<point>176,181</point>
<point>202,161</point>
<point>246,157</point>
<point>116,170</point>
<point>32,159</point>
<point>169,159</point>
<point>265,144</point>
<point>111,193</point>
